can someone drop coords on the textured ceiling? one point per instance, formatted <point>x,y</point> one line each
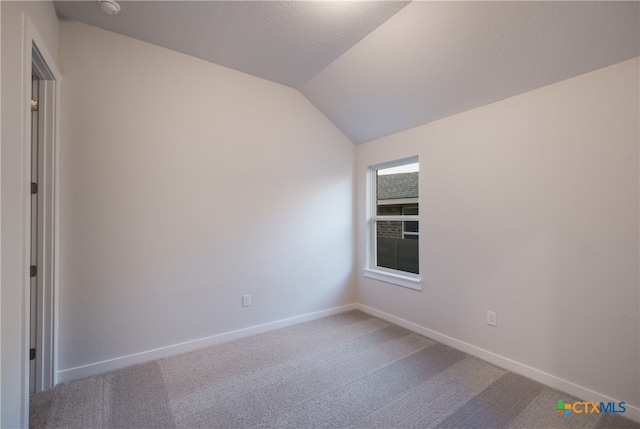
<point>374,67</point>
<point>435,59</point>
<point>283,41</point>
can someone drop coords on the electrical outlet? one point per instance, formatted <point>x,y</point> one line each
<point>492,318</point>
<point>246,300</point>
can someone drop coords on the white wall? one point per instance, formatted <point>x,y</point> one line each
<point>529,207</point>
<point>183,186</point>
<point>14,392</point>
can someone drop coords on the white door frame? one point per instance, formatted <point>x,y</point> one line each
<point>37,57</point>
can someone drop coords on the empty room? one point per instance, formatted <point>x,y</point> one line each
<point>320,214</point>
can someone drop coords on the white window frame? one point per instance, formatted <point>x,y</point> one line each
<point>371,269</point>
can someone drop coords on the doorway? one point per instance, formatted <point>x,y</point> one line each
<point>34,284</point>
<point>43,223</point>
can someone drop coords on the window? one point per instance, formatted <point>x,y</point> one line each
<point>394,223</point>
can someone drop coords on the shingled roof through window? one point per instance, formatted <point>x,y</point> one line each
<point>395,186</point>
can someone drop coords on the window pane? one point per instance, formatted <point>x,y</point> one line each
<point>397,190</point>
<point>395,250</point>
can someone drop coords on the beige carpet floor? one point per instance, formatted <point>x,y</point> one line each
<point>345,371</point>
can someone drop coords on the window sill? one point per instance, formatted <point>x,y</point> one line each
<point>393,278</point>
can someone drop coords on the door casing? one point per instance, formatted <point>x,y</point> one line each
<point>39,63</point>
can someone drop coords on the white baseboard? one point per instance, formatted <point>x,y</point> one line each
<point>632,412</point>
<point>76,373</point>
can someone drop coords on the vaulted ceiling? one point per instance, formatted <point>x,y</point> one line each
<point>378,67</point>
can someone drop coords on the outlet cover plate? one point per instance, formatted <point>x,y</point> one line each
<point>492,318</point>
